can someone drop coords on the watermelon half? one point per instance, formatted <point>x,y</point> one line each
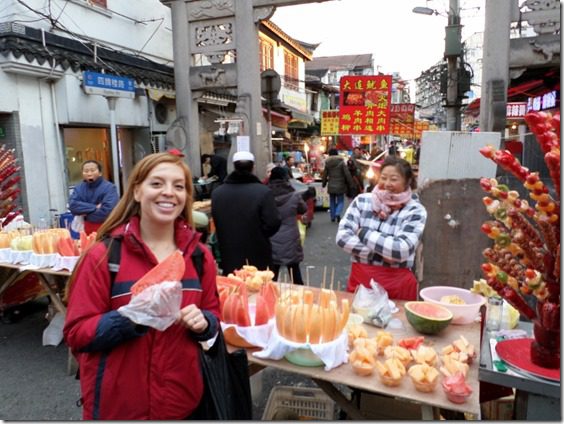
<point>426,317</point>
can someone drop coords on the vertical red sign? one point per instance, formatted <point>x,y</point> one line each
<point>365,104</point>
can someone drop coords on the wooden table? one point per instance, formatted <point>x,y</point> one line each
<point>344,374</point>
<point>52,281</point>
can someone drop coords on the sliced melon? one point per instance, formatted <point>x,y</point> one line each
<point>426,317</point>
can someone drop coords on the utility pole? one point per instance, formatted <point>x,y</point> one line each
<point>453,50</point>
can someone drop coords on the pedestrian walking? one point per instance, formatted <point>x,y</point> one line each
<point>354,168</point>
<point>286,245</point>
<point>381,231</point>
<point>130,371</point>
<point>337,178</point>
<point>245,217</point>
<point>94,198</point>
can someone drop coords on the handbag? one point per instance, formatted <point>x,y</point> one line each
<point>227,390</point>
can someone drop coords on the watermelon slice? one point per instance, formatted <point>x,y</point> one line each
<point>171,269</point>
<point>262,311</point>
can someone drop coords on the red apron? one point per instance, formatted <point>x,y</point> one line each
<point>90,227</point>
<point>400,283</point>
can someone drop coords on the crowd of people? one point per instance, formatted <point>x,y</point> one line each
<point>132,371</point>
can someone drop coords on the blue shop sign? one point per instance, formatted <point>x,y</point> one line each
<point>108,85</point>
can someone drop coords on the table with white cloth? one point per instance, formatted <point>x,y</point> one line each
<point>344,375</point>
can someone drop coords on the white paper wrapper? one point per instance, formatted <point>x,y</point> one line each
<point>20,256</point>
<point>157,306</point>
<point>43,260</point>
<point>65,263</point>
<point>5,255</point>
<point>332,354</point>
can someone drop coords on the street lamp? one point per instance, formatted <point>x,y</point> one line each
<point>453,50</point>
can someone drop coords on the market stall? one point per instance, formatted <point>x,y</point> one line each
<point>406,391</point>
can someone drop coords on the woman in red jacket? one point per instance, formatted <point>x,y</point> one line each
<point>130,371</point>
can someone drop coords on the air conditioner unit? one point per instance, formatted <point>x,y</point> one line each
<point>163,113</point>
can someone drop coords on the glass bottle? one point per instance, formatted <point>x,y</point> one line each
<point>494,313</point>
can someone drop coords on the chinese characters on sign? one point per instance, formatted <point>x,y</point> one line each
<point>546,101</point>
<point>365,104</point>
<point>516,109</point>
<point>402,118</point>
<point>329,122</point>
<point>108,85</point>
<point>421,126</point>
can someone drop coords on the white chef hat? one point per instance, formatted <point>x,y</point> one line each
<point>240,156</point>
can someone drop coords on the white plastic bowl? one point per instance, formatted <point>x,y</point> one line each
<point>463,314</point>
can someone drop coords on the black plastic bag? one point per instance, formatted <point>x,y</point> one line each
<point>227,390</point>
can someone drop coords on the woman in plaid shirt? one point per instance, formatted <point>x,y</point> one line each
<point>381,231</point>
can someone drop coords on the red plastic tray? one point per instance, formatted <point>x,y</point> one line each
<point>516,352</point>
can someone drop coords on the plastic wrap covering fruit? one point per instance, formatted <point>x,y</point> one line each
<point>525,256</point>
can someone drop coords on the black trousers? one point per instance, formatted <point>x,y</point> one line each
<point>294,268</point>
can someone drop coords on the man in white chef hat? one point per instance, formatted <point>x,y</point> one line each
<point>245,217</point>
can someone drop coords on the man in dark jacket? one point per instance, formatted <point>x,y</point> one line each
<point>245,217</point>
<point>94,198</point>
<point>337,178</point>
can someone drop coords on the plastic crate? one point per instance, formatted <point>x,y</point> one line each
<point>307,402</point>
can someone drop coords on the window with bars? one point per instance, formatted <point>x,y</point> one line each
<point>291,76</point>
<point>266,55</point>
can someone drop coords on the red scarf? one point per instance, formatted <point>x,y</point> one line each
<point>383,202</point>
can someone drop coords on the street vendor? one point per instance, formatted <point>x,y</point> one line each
<point>94,198</point>
<point>381,231</point>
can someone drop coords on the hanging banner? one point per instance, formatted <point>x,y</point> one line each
<point>402,119</point>
<point>421,126</point>
<point>365,104</point>
<point>329,122</point>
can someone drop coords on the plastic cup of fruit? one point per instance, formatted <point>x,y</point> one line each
<point>390,381</point>
<point>425,386</point>
<point>457,397</point>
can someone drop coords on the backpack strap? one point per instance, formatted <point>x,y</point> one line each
<point>198,261</point>
<point>113,244</point>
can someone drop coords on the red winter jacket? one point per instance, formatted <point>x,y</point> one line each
<point>131,372</point>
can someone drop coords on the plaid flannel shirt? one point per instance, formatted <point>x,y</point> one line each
<point>390,242</point>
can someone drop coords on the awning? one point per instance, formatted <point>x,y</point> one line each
<point>519,90</point>
<point>158,95</point>
<point>301,118</point>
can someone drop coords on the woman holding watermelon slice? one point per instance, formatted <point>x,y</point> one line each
<point>381,231</point>
<point>130,371</point>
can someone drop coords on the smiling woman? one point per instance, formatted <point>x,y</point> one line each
<point>119,358</point>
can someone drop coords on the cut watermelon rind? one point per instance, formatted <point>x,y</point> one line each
<point>423,321</point>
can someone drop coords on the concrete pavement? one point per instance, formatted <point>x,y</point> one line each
<point>34,385</point>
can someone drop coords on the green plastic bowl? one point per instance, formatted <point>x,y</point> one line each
<point>304,358</point>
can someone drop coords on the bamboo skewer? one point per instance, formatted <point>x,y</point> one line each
<point>324,277</point>
<point>291,277</point>
<point>307,276</point>
<point>332,277</point>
